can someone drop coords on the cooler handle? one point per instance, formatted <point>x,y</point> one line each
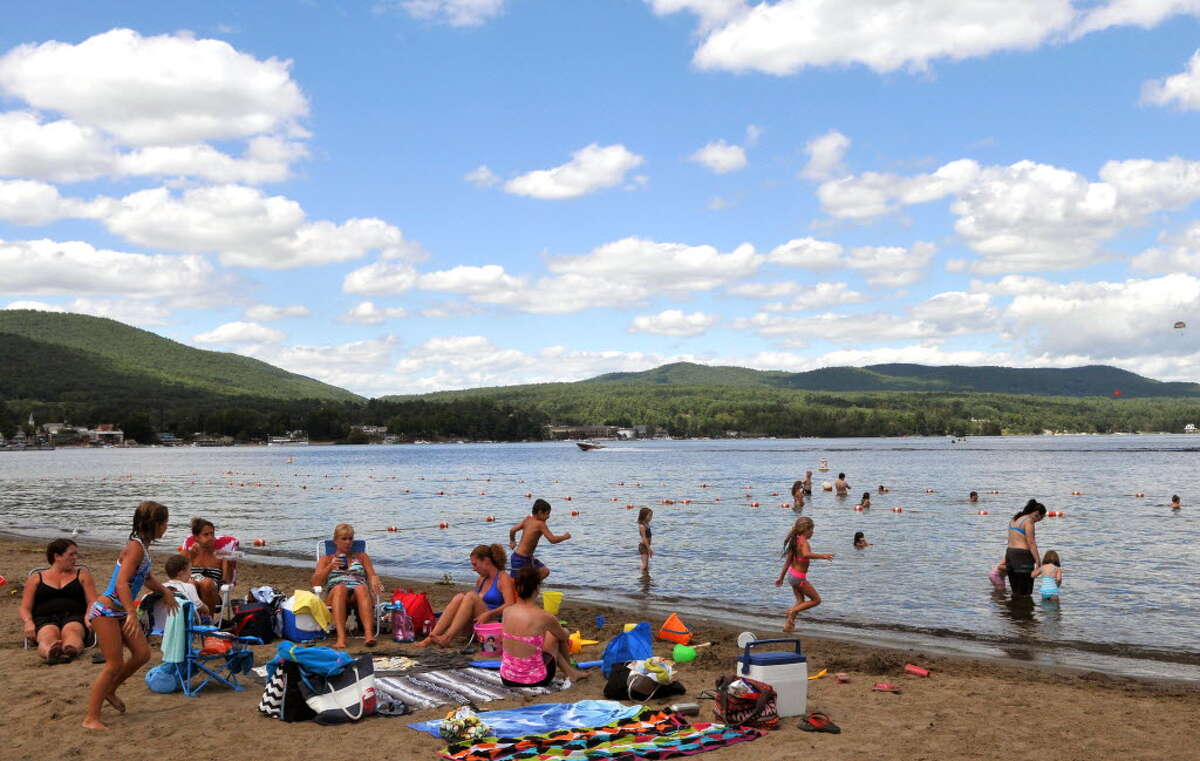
<point>745,659</point>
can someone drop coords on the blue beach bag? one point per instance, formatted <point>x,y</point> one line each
<point>633,645</point>
<point>323,661</point>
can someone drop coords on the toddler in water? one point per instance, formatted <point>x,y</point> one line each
<point>860,539</point>
<point>1051,572</point>
<point>998,574</point>
<point>797,554</point>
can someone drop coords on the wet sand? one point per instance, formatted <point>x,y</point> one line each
<point>966,708</point>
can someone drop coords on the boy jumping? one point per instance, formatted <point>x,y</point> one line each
<point>534,528</point>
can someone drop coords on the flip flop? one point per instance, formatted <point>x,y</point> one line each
<point>886,687</point>
<point>371,642</point>
<point>819,722</point>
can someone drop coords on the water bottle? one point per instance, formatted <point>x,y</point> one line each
<point>685,709</point>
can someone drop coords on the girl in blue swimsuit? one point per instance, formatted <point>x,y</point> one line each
<point>114,617</point>
<point>494,591</point>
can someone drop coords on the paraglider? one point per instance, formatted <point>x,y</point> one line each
<point>1180,325</point>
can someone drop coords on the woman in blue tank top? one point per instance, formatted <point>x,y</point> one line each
<point>114,613</point>
<point>494,591</point>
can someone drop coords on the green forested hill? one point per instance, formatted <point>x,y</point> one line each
<point>63,357</point>
<point>1091,380</point>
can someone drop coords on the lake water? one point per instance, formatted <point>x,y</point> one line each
<point>1130,598</point>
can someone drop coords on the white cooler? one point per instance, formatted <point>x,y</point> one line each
<point>785,670</point>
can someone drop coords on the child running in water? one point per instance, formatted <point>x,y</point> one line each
<point>534,528</point>
<point>644,537</point>
<point>797,554</point>
<point>1051,572</point>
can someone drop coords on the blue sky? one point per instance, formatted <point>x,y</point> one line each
<point>415,195</point>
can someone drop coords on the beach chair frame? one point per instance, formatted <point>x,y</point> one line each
<point>195,665</point>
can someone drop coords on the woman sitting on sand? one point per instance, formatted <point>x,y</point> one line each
<point>534,644</point>
<point>494,591</point>
<point>346,575</point>
<point>55,603</point>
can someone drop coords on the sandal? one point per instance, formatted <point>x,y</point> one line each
<point>819,722</point>
<point>886,687</point>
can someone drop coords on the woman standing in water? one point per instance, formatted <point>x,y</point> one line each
<point>1022,556</point>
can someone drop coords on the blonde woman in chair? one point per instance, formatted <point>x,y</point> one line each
<point>348,575</point>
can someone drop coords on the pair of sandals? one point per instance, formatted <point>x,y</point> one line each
<point>819,722</point>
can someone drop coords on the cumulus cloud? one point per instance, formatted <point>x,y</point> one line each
<point>381,278</point>
<point>161,90</point>
<point>45,267</point>
<point>591,168</point>
<point>240,333</point>
<point>482,177</point>
<point>268,313</point>
<point>490,278</point>
<point>775,290</point>
<point>1100,319</point>
<point>825,154</point>
<point>130,312</point>
<point>1181,253</point>
<point>61,150</point>
<point>818,296</point>
<point>1028,216</point>
<point>808,253</point>
<point>1180,90</point>
<point>249,229</point>
<point>451,12</point>
<point>786,36</point>
<point>891,266</point>
<point>367,313</point>
<point>362,366</point>
<point>720,157</point>
<point>1141,13</point>
<point>673,322</point>
<point>29,202</point>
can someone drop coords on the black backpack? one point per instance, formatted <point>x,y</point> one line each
<point>254,619</point>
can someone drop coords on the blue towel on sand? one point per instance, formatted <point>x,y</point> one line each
<point>545,717</point>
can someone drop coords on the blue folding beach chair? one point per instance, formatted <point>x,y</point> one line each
<point>327,547</point>
<point>183,644</point>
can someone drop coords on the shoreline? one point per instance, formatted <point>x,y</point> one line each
<point>884,637</point>
<point>967,708</point>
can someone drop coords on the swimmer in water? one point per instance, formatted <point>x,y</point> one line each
<point>973,496</point>
<point>860,540</point>
<point>866,500</point>
<point>841,486</point>
<point>1175,503</point>
<point>883,489</point>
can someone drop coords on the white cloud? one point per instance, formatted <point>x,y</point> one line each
<point>591,168</point>
<point>162,90</point>
<point>128,311</point>
<point>361,366</point>
<point>1141,13</point>
<point>717,203</point>
<point>647,266</point>
<point>788,35</point>
<point>250,229</point>
<point>451,12</point>
<point>240,333</point>
<point>268,313</point>
<point>808,253</point>
<point>753,134</point>
<point>267,159</point>
<point>720,157</point>
<point>1101,319</point>
<point>44,267</point>
<point>1181,254</point>
<point>825,154</point>
<point>29,202</point>
<point>478,281</point>
<point>891,266</point>
<point>381,278</point>
<point>1181,90</point>
<point>60,150</point>
<point>673,322</point>
<point>818,296</point>
<point>367,313</point>
<point>482,177</point>
<point>872,194</point>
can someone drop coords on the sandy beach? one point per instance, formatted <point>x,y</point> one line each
<point>966,709</point>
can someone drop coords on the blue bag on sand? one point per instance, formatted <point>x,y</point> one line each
<point>633,645</point>
<point>324,661</point>
<point>163,678</point>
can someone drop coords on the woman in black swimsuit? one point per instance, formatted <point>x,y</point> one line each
<point>55,602</point>
<point>1022,556</point>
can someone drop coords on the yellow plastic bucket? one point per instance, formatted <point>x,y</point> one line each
<point>551,601</point>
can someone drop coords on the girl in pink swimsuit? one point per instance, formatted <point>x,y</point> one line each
<point>796,556</point>
<point>535,646</point>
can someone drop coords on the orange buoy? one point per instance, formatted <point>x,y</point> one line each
<point>982,512</point>
<point>612,499</point>
<point>1139,494</point>
<point>629,507</point>
<point>574,512</point>
<point>490,519</point>
<point>716,499</point>
<point>620,483</point>
<point>930,491</point>
<point>567,499</point>
<point>703,486</point>
<point>687,502</point>
<point>259,542</point>
<point>392,528</point>
<point>993,491</point>
<point>443,524</point>
<point>785,504</point>
<point>528,495</point>
<point>858,508</point>
<point>1076,494</point>
<point>753,504</point>
<point>304,486</point>
<point>897,509</point>
<point>441,493</point>
<point>748,494</point>
<point>774,494</point>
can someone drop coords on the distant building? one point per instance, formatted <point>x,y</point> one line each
<point>169,440</point>
<point>1189,428</point>
<point>581,431</point>
<point>370,430</point>
<point>106,433</point>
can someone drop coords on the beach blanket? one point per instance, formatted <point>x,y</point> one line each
<point>456,687</point>
<point>544,717</point>
<point>652,734</point>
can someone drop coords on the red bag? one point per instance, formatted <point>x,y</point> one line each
<point>416,605</point>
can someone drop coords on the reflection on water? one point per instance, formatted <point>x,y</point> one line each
<point>1130,561</point>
